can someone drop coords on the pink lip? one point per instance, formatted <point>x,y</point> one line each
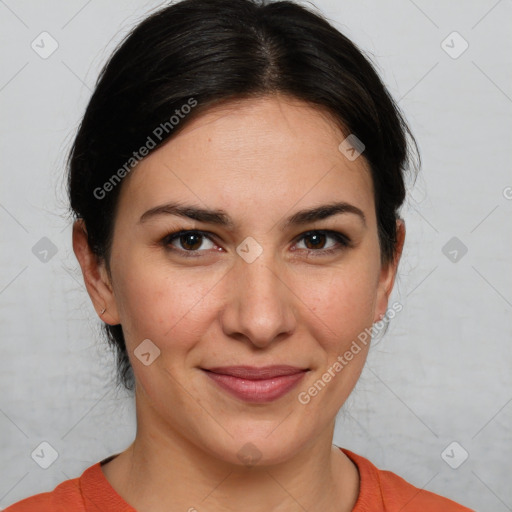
<point>256,384</point>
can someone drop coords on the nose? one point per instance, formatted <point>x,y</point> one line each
<point>260,306</point>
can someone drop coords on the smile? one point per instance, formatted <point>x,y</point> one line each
<point>257,385</point>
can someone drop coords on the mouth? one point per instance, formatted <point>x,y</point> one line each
<point>257,385</point>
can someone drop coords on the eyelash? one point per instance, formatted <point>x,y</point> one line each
<point>342,240</point>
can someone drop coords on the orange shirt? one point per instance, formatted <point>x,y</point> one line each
<point>379,491</point>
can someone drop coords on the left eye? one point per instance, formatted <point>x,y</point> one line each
<point>318,238</point>
<point>191,241</point>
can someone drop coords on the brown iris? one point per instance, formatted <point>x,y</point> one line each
<point>187,240</point>
<point>319,240</point>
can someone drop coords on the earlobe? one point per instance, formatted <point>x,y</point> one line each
<point>95,275</point>
<point>388,273</point>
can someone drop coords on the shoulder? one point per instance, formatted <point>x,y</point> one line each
<point>66,497</point>
<point>387,492</point>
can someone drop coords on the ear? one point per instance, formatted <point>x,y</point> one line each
<point>388,273</point>
<point>96,278</point>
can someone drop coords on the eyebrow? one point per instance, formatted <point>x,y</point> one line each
<point>220,217</point>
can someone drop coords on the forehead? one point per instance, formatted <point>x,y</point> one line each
<point>251,154</point>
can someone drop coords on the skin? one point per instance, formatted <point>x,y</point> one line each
<point>259,160</point>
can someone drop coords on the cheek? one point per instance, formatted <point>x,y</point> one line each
<point>340,312</point>
<point>342,299</point>
<point>342,307</point>
<point>161,303</point>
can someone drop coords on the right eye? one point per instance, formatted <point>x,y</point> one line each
<point>190,242</point>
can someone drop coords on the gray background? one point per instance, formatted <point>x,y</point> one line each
<point>442,372</point>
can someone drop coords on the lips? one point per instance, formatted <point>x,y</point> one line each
<point>255,373</point>
<point>257,385</point>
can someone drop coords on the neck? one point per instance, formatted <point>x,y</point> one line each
<point>164,471</point>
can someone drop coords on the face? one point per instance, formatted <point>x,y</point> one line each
<point>267,288</point>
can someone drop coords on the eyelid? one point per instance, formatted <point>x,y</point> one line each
<point>337,235</point>
<point>174,235</point>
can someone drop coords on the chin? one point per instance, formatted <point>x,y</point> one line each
<point>256,450</point>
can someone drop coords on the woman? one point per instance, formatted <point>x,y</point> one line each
<point>236,182</point>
